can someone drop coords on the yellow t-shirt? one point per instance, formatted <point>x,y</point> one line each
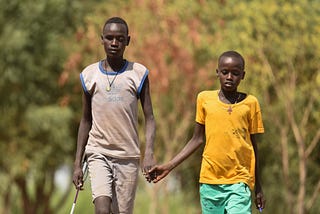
<point>228,156</point>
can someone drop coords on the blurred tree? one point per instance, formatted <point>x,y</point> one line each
<point>36,136</point>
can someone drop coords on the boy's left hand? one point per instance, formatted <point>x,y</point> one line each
<point>148,163</point>
<point>260,201</point>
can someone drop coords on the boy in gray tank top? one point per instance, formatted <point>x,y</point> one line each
<point>108,133</point>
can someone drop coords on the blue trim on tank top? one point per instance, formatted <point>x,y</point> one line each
<point>142,83</point>
<point>112,72</point>
<point>83,84</point>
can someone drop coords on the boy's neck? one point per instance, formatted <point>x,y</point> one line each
<point>114,64</point>
<point>230,97</point>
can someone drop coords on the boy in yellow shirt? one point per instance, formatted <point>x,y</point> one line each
<point>230,121</point>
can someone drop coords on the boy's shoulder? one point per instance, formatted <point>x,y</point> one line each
<point>251,98</point>
<point>91,68</point>
<point>138,66</point>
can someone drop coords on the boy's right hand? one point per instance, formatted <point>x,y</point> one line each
<point>78,178</point>
<point>158,172</point>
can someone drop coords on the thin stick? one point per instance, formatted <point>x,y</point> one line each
<point>74,201</point>
<point>84,169</point>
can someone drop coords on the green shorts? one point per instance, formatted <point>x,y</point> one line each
<point>225,199</point>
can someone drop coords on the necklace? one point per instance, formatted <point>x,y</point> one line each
<point>108,88</point>
<point>229,109</point>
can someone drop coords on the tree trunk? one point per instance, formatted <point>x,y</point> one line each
<point>285,169</point>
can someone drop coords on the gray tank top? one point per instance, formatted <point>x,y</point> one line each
<point>114,110</point>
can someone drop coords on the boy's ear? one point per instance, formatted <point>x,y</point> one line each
<point>101,37</point>
<point>217,72</point>
<point>243,74</point>
<point>128,40</point>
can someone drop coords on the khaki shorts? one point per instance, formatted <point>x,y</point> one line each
<point>115,178</point>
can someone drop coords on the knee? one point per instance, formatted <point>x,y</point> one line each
<point>100,210</point>
<point>102,205</point>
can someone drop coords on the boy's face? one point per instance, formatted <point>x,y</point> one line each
<point>115,39</point>
<point>230,72</point>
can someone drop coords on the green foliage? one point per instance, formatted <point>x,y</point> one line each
<point>38,136</point>
<point>48,128</point>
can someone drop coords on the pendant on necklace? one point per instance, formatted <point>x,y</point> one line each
<point>229,110</point>
<point>108,88</point>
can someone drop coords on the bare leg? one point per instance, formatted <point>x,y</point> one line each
<point>102,205</point>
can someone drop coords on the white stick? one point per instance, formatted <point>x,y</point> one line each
<point>74,201</point>
<point>84,169</point>
<point>72,209</point>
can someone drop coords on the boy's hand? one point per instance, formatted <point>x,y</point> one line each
<point>260,201</point>
<point>159,172</point>
<point>148,163</point>
<point>78,178</point>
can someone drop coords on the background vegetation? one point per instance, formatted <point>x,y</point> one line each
<point>46,44</point>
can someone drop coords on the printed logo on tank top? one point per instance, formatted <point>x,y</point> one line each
<point>114,95</point>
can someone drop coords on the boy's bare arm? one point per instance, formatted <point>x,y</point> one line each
<point>159,172</point>
<point>259,200</point>
<point>83,133</point>
<point>150,128</point>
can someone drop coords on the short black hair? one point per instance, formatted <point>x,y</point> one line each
<point>232,54</point>
<point>118,20</point>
